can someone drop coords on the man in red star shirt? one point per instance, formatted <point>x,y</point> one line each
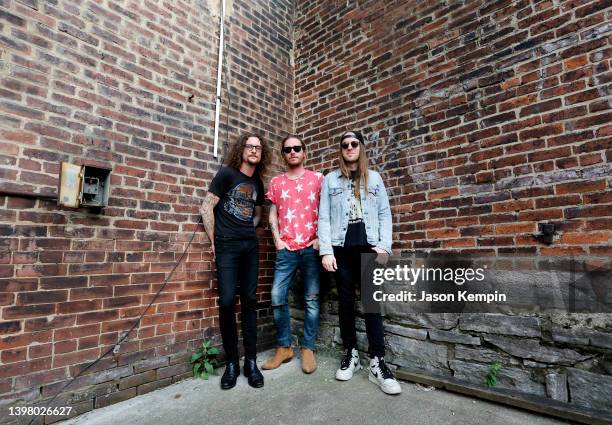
<point>293,221</point>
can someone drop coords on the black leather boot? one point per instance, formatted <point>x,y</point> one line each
<point>254,376</point>
<point>228,380</point>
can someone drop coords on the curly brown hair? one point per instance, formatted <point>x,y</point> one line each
<point>234,156</point>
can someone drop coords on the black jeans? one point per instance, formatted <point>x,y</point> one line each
<point>237,267</point>
<point>348,276</point>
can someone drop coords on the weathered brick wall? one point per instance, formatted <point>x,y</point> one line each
<point>129,85</point>
<point>484,118</point>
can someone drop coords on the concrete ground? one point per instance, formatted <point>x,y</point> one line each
<point>291,397</point>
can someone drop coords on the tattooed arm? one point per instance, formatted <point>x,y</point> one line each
<point>273,220</point>
<point>208,217</point>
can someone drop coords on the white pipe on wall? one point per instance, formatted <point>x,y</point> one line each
<point>219,67</point>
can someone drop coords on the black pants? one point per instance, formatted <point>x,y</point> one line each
<point>348,276</point>
<point>237,268</point>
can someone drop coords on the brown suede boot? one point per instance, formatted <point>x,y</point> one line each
<point>309,364</point>
<point>282,355</point>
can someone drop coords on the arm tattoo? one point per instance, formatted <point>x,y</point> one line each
<point>273,220</point>
<point>208,217</point>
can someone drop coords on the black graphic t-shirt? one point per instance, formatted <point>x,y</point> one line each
<point>238,195</point>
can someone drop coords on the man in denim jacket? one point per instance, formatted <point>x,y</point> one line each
<point>355,218</point>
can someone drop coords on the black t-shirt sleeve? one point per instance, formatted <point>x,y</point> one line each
<point>260,193</point>
<point>219,184</point>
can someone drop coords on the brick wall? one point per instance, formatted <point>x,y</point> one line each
<point>129,85</point>
<point>484,118</point>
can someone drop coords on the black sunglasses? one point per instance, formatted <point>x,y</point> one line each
<point>353,144</point>
<point>288,149</point>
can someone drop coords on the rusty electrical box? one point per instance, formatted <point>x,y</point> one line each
<point>83,186</point>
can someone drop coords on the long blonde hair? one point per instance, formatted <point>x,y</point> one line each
<point>362,163</point>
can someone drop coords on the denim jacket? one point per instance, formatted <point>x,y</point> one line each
<point>334,217</point>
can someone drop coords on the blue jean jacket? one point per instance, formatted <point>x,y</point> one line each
<point>334,209</point>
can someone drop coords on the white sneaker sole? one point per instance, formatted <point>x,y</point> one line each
<point>373,379</point>
<point>342,378</point>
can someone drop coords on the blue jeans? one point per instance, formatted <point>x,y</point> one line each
<point>287,263</point>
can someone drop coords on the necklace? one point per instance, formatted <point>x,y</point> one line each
<point>296,178</point>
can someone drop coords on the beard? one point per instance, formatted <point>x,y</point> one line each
<point>253,160</point>
<point>295,164</point>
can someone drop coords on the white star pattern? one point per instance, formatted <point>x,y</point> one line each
<point>297,206</point>
<point>290,215</point>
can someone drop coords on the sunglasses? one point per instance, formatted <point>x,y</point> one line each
<point>288,149</point>
<point>353,144</point>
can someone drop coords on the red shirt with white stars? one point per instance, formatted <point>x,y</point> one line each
<point>297,207</point>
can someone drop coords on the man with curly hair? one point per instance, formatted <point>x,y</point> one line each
<point>231,211</point>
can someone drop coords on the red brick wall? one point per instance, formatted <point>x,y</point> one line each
<point>484,117</point>
<point>131,86</point>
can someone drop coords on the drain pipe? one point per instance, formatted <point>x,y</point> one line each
<point>219,67</point>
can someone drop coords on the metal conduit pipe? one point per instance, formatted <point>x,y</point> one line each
<point>219,67</point>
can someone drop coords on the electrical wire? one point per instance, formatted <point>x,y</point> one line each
<point>227,71</point>
<point>124,337</point>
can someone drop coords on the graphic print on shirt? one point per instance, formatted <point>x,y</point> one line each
<point>241,201</point>
<point>355,212</point>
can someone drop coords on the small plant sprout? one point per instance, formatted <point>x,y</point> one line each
<point>204,360</point>
<point>491,379</point>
